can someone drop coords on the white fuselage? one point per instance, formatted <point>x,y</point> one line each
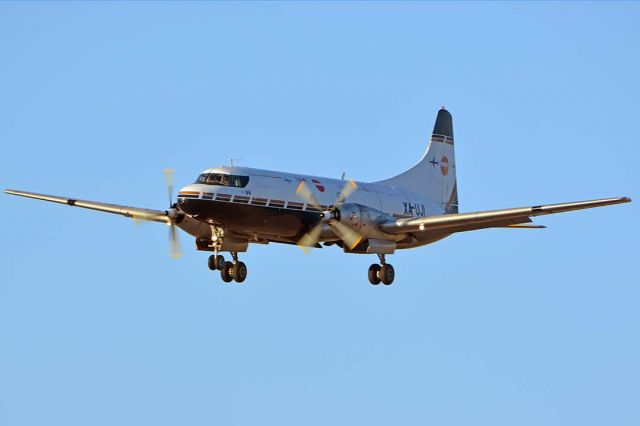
<point>274,194</point>
<point>281,187</point>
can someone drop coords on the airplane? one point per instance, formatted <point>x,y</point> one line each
<point>228,208</point>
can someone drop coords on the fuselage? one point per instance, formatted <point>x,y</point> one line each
<point>264,203</point>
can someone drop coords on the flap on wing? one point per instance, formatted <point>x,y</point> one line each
<point>525,226</point>
<point>491,218</point>
<point>132,212</point>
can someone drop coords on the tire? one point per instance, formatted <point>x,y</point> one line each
<point>239,272</point>
<point>373,274</point>
<point>226,272</point>
<point>216,262</point>
<point>387,274</point>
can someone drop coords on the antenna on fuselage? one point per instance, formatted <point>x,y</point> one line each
<point>342,177</point>
<point>234,159</point>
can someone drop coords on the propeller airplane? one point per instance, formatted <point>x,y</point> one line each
<point>228,208</point>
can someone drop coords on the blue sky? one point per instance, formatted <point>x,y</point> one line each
<point>98,326</point>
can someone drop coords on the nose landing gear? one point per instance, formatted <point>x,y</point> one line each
<point>381,273</point>
<point>216,262</point>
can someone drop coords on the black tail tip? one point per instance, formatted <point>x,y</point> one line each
<point>444,123</point>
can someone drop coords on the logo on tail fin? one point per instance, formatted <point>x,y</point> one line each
<point>444,165</point>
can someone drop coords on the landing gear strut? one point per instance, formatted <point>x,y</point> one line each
<point>229,271</point>
<point>383,272</point>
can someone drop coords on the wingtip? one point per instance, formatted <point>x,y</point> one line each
<point>625,199</point>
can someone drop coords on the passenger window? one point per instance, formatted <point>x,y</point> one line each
<point>239,181</point>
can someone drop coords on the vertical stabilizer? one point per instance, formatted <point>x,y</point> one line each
<point>435,174</point>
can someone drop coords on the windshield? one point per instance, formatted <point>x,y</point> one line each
<point>223,180</point>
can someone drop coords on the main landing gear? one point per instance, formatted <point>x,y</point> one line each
<point>381,273</point>
<point>229,271</point>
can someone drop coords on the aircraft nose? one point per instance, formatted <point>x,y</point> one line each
<point>186,195</point>
<point>189,190</point>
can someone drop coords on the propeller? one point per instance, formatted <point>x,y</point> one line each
<point>348,189</point>
<point>331,217</point>
<point>168,178</point>
<point>172,215</point>
<point>346,233</point>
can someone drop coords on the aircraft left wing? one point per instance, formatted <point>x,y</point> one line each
<point>132,212</point>
<point>460,222</point>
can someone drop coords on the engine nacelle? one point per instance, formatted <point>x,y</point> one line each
<point>362,219</point>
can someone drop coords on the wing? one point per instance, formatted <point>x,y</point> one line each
<point>132,212</point>
<point>518,217</point>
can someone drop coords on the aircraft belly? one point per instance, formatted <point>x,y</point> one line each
<point>250,219</point>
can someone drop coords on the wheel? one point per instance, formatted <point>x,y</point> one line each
<point>226,272</point>
<point>373,274</point>
<point>216,262</point>
<point>239,272</point>
<point>387,274</point>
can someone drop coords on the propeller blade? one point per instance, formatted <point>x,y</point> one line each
<point>347,234</point>
<point>310,239</point>
<point>168,177</point>
<point>304,192</point>
<point>346,191</point>
<point>174,242</point>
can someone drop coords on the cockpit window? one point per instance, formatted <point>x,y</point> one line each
<point>217,179</point>
<point>223,180</point>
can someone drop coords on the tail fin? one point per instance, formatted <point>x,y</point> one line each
<point>435,174</point>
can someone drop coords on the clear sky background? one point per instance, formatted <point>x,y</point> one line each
<point>98,326</point>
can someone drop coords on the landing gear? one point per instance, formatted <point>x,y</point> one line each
<point>239,272</point>
<point>381,273</point>
<point>387,274</point>
<point>229,271</point>
<point>373,274</point>
<point>216,262</point>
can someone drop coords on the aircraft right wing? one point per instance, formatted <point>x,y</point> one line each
<point>450,223</point>
<point>132,212</point>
